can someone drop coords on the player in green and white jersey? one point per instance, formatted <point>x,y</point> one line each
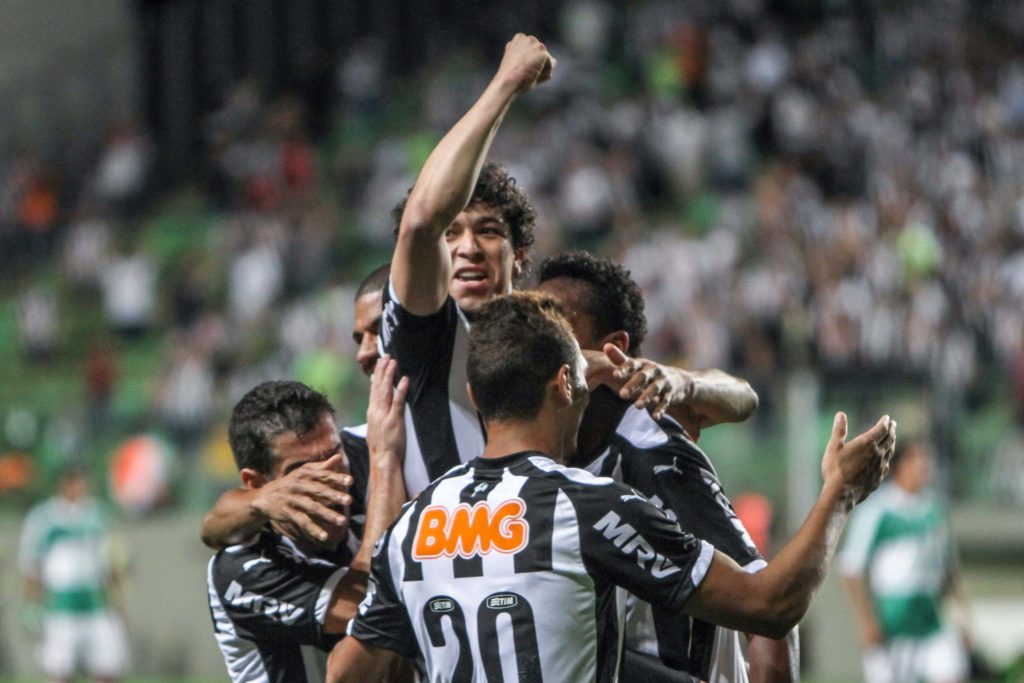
<point>899,566</point>
<point>64,558</point>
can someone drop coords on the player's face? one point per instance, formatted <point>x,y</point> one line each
<point>367,327</point>
<point>916,468</point>
<point>569,293</point>
<point>292,451</point>
<point>484,263</point>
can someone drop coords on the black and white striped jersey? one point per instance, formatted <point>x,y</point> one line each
<point>442,425</point>
<point>505,569</point>
<point>660,461</point>
<point>268,600</point>
<point>353,441</point>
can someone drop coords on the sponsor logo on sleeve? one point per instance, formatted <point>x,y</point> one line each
<point>469,531</point>
<point>272,608</point>
<point>624,537</point>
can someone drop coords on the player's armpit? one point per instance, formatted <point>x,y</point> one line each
<point>353,661</point>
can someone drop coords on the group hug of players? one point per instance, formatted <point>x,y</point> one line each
<point>527,501</point>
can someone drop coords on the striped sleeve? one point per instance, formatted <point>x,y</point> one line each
<point>638,547</point>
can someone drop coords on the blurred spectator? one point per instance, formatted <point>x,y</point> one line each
<point>899,565</point>
<point>123,169</point>
<point>101,375</point>
<point>38,323</point>
<point>72,593</point>
<point>186,396</point>
<point>129,293</point>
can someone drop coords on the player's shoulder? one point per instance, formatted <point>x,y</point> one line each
<point>266,557</point>
<point>545,468</point>
<point>356,434</point>
<point>640,437</point>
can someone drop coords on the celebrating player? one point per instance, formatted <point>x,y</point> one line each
<point>514,556</point>
<point>304,503</point>
<point>656,457</point>
<point>276,600</point>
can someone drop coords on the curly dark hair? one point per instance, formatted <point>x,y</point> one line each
<point>613,299</point>
<point>517,344</point>
<point>497,189</point>
<point>268,410</point>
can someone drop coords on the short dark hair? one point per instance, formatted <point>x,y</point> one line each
<point>613,299</point>
<point>374,282</point>
<point>498,190</point>
<point>516,346</point>
<point>267,411</point>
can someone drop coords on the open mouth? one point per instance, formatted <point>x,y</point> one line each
<point>470,276</point>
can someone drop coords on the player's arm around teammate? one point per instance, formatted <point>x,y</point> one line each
<point>421,269</point>
<point>697,399</point>
<point>304,503</point>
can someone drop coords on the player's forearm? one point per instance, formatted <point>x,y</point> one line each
<point>791,579</point>
<point>386,495</point>
<point>445,184</point>
<point>719,397</point>
<point>421,265</point>
<point>351,661</point>
<point>774,661</point>
<point>232,520</point>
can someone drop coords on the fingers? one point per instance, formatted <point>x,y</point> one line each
<point>548,70</point>
<point>336,463</point>
<point>328,473</point>
<point>615,354</point>
<point>839,428</point>
<point>398,400</point>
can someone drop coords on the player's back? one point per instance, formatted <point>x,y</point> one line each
<point>508,565</point>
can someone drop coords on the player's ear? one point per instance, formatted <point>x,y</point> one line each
<point>252,479</point>
<point>469,391</point>
<point>564,384</point>
<point>519,256</point>
<point>619,338</point>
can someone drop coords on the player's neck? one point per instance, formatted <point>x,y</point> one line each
<point>508,437</point>
<point>600,420</point>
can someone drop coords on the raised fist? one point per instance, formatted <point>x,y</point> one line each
<point>526,62</point>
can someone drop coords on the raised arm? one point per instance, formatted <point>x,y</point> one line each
<point>772,601</point>
<point>385,439</point>
<point>421,267</point>
<point>300,505</point>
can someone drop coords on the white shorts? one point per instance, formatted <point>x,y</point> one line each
<point>94,642</point>
<point>939,658</point>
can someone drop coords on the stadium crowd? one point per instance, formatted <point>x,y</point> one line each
<point>840,190</point>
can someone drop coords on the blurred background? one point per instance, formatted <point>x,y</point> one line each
<point>825,197</point>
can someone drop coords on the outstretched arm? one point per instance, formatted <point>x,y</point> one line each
<point>300,505</point>
<point>421,267</point>
<point>385,439</point>
<point>772,601</point>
